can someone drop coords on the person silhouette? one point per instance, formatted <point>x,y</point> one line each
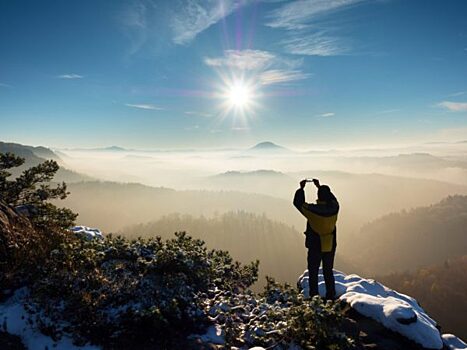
<point>320,235</point>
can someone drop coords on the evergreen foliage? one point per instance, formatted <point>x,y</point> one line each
<point>246,236</point>
<point>33,188</point>
<point>278,318</point>
<point>118,292</point>
<point>154,294</point>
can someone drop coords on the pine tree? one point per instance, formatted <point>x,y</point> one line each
<point>34,189</point>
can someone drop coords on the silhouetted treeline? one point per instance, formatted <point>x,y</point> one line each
<point>412,239</point>
<point>440,289</point>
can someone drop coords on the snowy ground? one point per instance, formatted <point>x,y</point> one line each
<point>395,311</point>
<point>14,319</point>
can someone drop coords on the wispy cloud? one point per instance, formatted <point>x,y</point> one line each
<point>144,106</point>
<point>277,76</point>
<point>266,67</point>
<point>308,34</point>
<point>200,114</point>
<point>298,14</point>
<point>316,44</point>
<point>457,94</point>
<point>134,20</point>
<point>327,115</point>
<point>242,59</point>
<point>251,60</point>
<point>195,16</point>
<point>70,76</point>
<point>5,85</point>
<point>386,111</point>
<point>453,106</point>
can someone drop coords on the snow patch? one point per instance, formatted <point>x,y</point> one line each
<point>453,342</point>
<point>16,320</point>
<point>87,232</point>
<point>214,334</point>
<point>395,311</point>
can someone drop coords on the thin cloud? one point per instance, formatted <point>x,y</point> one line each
<point>327,115</point>
<point>265,67</point>
<point>457,94</point>
<point>251,60</point>
<point>298,14</point>
<point>307,33</point>
<point>5,85</point>
<point>453,106</point>
<point>144,106</point>
<point>242,59</point>
<point>70,76</point>
<point>200,114</point>
<point>195,16</point>
<point>276,76</point>
<point>387,111</point>
<point>134,20</point>
<point>316,44</point>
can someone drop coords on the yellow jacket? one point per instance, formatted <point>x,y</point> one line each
<point>322,218</point>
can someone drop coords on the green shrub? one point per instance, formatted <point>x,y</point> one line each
<point>117,292</point>
<point>279,318</point>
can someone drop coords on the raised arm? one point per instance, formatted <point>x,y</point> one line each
<point>299,198</point>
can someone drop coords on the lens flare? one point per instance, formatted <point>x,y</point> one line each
<point>239,95</point>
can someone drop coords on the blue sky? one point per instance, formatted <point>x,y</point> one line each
<point>154,74</point>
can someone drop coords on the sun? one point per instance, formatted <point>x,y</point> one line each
<point>239,98</point>
<point>239,95</point>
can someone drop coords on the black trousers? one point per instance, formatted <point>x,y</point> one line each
<point>314,258</point>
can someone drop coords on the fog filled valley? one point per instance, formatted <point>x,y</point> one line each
<point>402,209</point>
<point>384,194</point>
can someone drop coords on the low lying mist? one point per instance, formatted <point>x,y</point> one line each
<point>147,192</point>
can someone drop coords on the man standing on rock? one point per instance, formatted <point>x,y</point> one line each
<point>320,235</point>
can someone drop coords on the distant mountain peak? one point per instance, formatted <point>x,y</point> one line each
<point>114,148</point>
<point>266,145</point>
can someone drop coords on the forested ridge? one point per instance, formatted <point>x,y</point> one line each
<point>412,239</point>
<point>441,290</point>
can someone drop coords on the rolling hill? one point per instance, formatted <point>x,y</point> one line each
<point>36,155</point>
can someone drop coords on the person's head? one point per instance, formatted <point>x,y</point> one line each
<point>324,193</point>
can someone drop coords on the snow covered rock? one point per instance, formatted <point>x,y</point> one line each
<point>214,335</point>
<point>15,320</point>
<point>395,311</point>
<point>87,232</point>
<point>453,342</point>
